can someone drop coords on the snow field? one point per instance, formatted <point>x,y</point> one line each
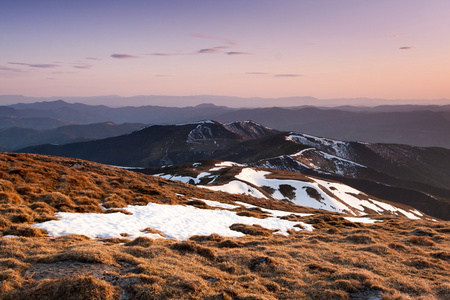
<point>174,221</point>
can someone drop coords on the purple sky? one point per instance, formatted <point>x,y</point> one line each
<point>392,49</point>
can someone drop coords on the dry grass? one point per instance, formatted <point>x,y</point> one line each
<point>397,258</point>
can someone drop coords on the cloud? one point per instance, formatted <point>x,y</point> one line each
<point>43,66</point>
<point>275,75</point>
<point>123,56</point>
<point>164,54</point>
<point>227,44</point>
<point>210,50</point>
<point>84,67</point>
<point>210,37</point>
<point>287,75</point>
<point>93,58</point>
<point>238,53</point>
<point>406,48</point>
<point>3,68</point>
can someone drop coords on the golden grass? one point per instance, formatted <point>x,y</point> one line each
<point>397,258</point>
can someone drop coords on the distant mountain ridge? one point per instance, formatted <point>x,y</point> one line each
<point>426,126</point>
<point>13,138</point>
<point>232,101</point>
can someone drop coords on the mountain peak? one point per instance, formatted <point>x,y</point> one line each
<point>205,105</point>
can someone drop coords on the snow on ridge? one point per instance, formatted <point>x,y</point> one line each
<point>245,128</point>
<point>339,148</point>
<point>339,165</point>
<point>301,191</point>
<point>224,164</point>
<point>201,132</point>
<point>185,179</point>
<point>317,193</point>
<point>334,157</point>
<point>347,194</point>
<point>281,162</point>
<point>314,194</point>
<point>197,123</point>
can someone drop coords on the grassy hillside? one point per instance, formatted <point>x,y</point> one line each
<point>395,258</point>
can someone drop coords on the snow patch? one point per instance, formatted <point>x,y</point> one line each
<point>174,221</point>
<point>236,187</point>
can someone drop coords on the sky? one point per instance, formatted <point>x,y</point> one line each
<point>391,49</point>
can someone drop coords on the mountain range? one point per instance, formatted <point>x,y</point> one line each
<point>236,102</point>
<point>414,176</point>
<point>19,137</point>
<point>426,125</point>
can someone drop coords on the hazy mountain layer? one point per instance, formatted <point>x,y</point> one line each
<point>426,125</point>
<point>18,137</point>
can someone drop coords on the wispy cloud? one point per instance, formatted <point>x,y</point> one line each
<point>3,68</point>
<point>238,53</point>
<point>84,67</point>
<point>93,58</point>
<point>226,44</point>
<point>123,56</point>
<point>210,50</point>
<point>287,75</point>
<point>43,66</point>
<point>407,48</point>
<point>275,75</point>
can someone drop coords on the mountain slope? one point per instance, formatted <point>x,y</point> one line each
<point>18,137</point>
<point>287,186</point>
<point>157,145</point>
<point>320,255</point>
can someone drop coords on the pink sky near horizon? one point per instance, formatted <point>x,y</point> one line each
<point>392,49</point>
